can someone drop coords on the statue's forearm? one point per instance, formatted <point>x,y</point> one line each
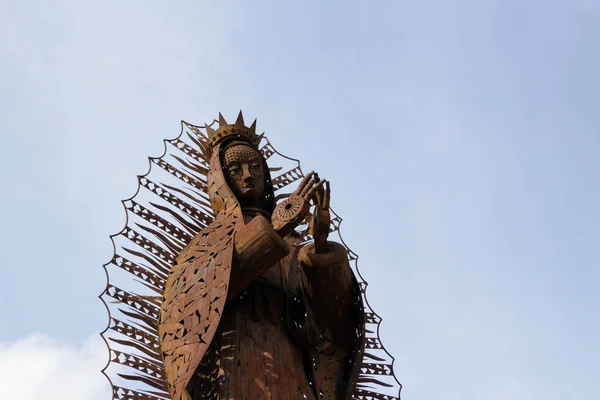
<point>330,279</point>
<point>257,247</point>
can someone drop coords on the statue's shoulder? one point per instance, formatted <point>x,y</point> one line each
<point>211,235</point>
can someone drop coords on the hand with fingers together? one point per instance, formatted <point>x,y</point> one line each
<point>293,210</point>
<point>321,219</point>
<point>309,186</point>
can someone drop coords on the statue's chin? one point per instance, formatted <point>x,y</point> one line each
<point>246,194</point>
<point>249,196</point>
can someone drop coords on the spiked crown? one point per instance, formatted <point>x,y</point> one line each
<point>237,130</point>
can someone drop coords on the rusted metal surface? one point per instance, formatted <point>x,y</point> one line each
<point>194,298</point>
<point>187,285</point>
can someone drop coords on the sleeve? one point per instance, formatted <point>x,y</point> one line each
<point>329,290</point>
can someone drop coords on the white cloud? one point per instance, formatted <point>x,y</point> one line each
<point>38,367</point>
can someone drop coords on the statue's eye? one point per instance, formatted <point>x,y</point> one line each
<point>255,166</point>
<point>234,169</point>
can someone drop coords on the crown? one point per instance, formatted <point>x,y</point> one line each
<point>237,130</point>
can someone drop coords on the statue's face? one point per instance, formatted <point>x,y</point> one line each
<point>244,166</point>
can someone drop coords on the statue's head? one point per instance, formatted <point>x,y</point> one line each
<point>244,169</point>
<point>239,173</point>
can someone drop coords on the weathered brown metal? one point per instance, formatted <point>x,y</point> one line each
<point>222,293</point>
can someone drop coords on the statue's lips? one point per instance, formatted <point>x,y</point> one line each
<point>247,188</point>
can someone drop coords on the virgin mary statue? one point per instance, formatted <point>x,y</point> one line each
<point>251,299</point>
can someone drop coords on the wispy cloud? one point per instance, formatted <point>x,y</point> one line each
<point>39,367</point>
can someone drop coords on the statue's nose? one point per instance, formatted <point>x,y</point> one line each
<point>246,172</point>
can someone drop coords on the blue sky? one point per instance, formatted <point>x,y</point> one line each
<point>461,139</point>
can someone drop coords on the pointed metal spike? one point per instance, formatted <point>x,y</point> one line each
<point>209,129</point>
<point>222,121</point>
<point>253,127</point>
<point>240,119</point>
<point>259,138</point>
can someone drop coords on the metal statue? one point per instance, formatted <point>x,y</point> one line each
<point>240,293</point>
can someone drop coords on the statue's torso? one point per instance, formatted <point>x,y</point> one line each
<point>253,355</point>
<point>258,350</point>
